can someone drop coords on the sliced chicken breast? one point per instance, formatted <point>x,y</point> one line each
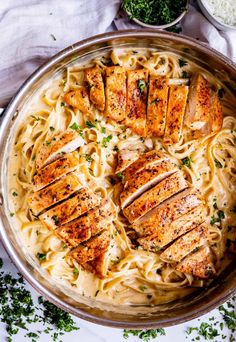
<point>163,235</point>
<point>155,196</point>
<point>157,105</point>
<point>125,158</point>
<point>144,180</point>
<point>175,113</point>
<point>136,110</point>
<point>115,93</point>
<point>96,87</point>
<point>167,234</point>
<point>79,99</point>
<point>52,172</point>
<point>88,225</point>
<point>99,265</point>
<point>127,155</point>
<point>216,114</point>
<point>199,264</point>
<point>92,248</point>
<point>70,209</point>
<point>197,116</point>
<point>146,160</point>
<point>54,193</point>
<point>57,146</point>
<point>168,211</point>
<point>186,244</point>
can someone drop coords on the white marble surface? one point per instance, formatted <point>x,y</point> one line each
<point>90,332</point>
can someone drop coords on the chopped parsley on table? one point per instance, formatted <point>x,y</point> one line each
<point>144,335</point>
<point>19,312</point>
<point>154,12</point>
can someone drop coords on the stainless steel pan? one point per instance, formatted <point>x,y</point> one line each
<point>91,310</point>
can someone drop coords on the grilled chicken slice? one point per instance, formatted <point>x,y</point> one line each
<point>198,264</point>
<point>157,105</point>
<point>52,172</point>
<point>146,160</point>
<point>99,265</point>
<point>92,248</point>
<point>79,99</point>
<point>96,87</point>
<point>58,145</point>
<point>129,154</point>
<point>54,193</point>
<point>136,111</point>
<point>186,244</point>
<point>70,209</point>
<point>125,158</point>
<point>166,234</point>
<point>115,93</point>
<point>158,194</point>
<point>168,211</point>
<point>216,113</point>
<point>86,226</point>
<point>197,116</point>
<point>175,113</point>
<point>144,180</point>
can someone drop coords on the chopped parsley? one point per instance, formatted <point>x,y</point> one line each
<point>141,85</point>
<point>33,157</point>
<point>206,330</point>
<point>218,164</point>
<point>19,313</point>
<point>14,194</point>
<point>220,216</point>
<point>88,158</point>
<point>12,214</point>
<point>103,130</point>
<point>187,161</point>
<point>182,62</point>
<point>75,271</point>
<point>63,104</point>
<point>142,288</point>
<point>56,219</point>
<point>116,148</point>
<point>144,335</point>
<point>41,256</point>
<point>75,126</point>
<point>89,124</point>
<point>120,175</point>
<point>157,12</point>
<point>52,128</point>
<point>78,128</point>
<point>47,143</point>
<point>105,140</point>
<point>35,118</point>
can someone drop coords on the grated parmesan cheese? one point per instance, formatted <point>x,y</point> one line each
<point>223,10</point>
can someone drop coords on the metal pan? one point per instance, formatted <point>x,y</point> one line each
<point>89,309</point>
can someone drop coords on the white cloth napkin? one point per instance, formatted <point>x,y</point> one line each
<point>31,31</point>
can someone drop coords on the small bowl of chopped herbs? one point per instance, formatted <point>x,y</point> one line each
<point>159,14</point>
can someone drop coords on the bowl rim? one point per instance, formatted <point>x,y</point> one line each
<point>12,108</point>
<point>214,18</point>
<point>164,26</point>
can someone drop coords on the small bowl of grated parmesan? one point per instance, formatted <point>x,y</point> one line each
<point>221,13</point>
